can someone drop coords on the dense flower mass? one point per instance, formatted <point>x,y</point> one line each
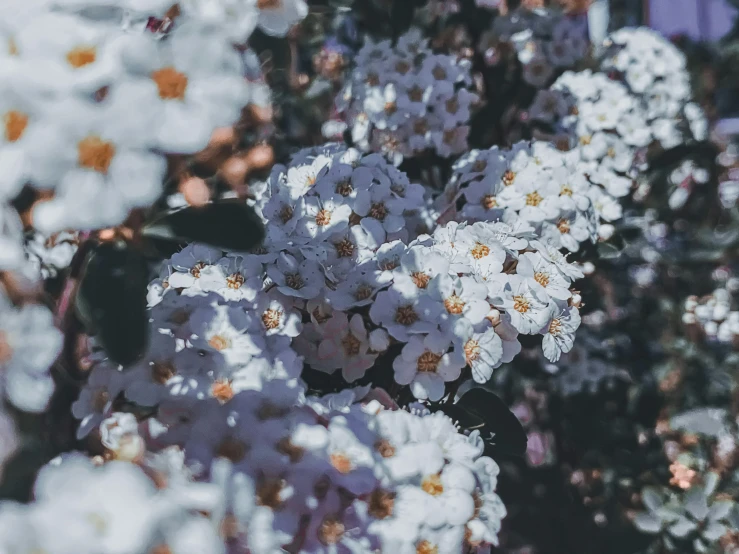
<point>404,100</point>
<point>545,188</point>
<point>222,334</point>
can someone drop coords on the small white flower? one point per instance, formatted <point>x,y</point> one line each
<point>426,364</point>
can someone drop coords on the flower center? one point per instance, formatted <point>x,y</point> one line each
<point>81,56</point>
<point>381,504</point>
<point>385,448</point>
<point>95,153</point>
<point>521,304</point>
<point>222,391</point>
<point>6,351</point>
<point>219,342</point>
<point>232,449</point>
<point>420,279</point>
<point>402,67</point>
<point>171,83</point>
<point>425,547</point>
<point>449,136</point>
<point>611,152</point>
<point>428,362</point>
<point>323,218</point>
<point>235,281</point>
<point>286,447</point>
<point>452,105</point>
<point>432,485</point>
<point>390,108</point>
<point>362,292</point>
<point>564,226</point>
<point>269,493</point>
<point>12,47</point>
<point>161,372</point>
<point>15,125</point>
<point>585,140</point>
<point>472,351</point>
<point>420,127</point>
<point>489,202</point>
<point>454,304</point>
<point>439,73</point>
<point>406,315</point>
<point>373,79</point>
<point>351,345</point>
<point>415,93</point>
<point>508,178</point>
<point>294,281</point>
<point>331,530</point>
<point>100,400</point>
<point>565,191</point>
<point>378,211</point>
<point>479,251</point>
<point>533,199</point>
<point>341,462</point>
<point>389,264</point>
<point>541,278</point>
<point>286,213</point>
<point>269,4</point>
<point>344,188</point>
<point>271,318</point>
<point>195,270</point>
<point>344,248</point>
<point>555,327</point>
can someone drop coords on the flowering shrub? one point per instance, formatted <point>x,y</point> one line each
<point>307,276</point>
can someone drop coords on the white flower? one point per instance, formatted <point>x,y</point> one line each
<point>526,306</point>
<point>543,275</point>
<point>223,330</point>
<point>233,277</point>
<point>345,346</point>
<point>29,345</point>
<point>426,364</point>
<point>483,351</point>
<point>98,164</point>
<point>293,278</point>
<point>405,313</point>
<point>187,86</point>
<point>276,17</point>
<point>462,298</point>
<point>189,262</point>
<point>323,217</point>
<point>559,335</point>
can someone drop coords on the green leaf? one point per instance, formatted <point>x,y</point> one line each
<point>226,224</point>
<point>111,300</point>
<point>479,409</point>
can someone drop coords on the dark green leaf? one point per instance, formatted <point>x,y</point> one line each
<point>401,16</point>
<point>111,300</point>
<point>482,410</point>
<point>226,224</point>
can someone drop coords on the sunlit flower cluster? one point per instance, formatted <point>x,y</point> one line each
<point>93,102</point>
<point>405,100</point>
<point>328,474</point>
<point>544,187</point>
<point>602,120</point>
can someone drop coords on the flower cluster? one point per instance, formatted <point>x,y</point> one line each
<point>544,187</point>
<point>713,314</point>
<point>218,326</point>
<point>545,41</point>
<point>93,102</point>
<point>602,119</point>
<point>115,508</point>
<point>655,71</point>
<point>405,100</point>
<point>329,474</point>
